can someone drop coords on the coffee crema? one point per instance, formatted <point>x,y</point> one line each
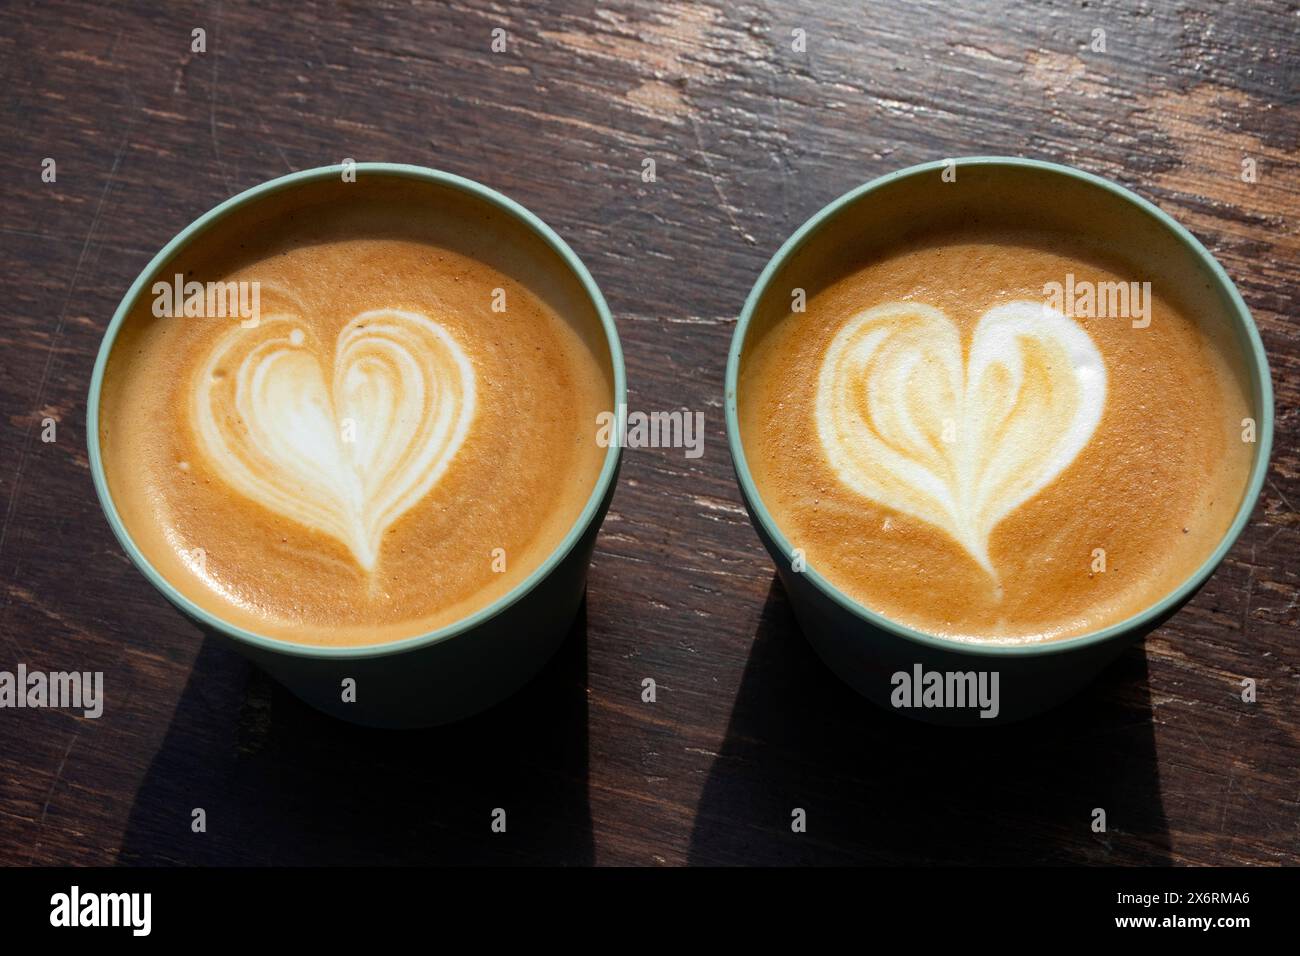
<point>405,433</point>
<point>952,451</point>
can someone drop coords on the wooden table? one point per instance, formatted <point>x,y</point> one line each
<point>749,138</point>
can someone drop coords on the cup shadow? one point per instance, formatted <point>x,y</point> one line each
<point>879,788</point>
<point>283,784</point>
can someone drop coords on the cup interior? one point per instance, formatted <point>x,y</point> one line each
<point>472,220</point>
<point>917,201</point>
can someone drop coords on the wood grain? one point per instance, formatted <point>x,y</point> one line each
<point>749,138</point>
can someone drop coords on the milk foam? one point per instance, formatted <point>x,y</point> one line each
<point>344,450</point>
<point>903,421</point>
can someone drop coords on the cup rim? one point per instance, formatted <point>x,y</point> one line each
<point>581,525</point>
<point>1259,370</point>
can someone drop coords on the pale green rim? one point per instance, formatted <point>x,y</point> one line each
<point>1259,370</point>
<point>293,648</point>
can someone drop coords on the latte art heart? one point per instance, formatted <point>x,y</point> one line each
<point>344,450</point>
<point>906,423</point>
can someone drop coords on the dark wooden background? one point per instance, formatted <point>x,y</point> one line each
<point>749,138</point>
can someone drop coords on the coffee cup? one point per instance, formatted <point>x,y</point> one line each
<point>302,486</point>
<point>1099,466</point>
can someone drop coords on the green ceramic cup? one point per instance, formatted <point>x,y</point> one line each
<point>867,649</point>
<point>467,666</point>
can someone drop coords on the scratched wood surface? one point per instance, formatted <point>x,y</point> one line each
<point>749,138</point>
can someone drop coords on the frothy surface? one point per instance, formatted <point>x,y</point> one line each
<point>383,454</point>
<point>951,452</point>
